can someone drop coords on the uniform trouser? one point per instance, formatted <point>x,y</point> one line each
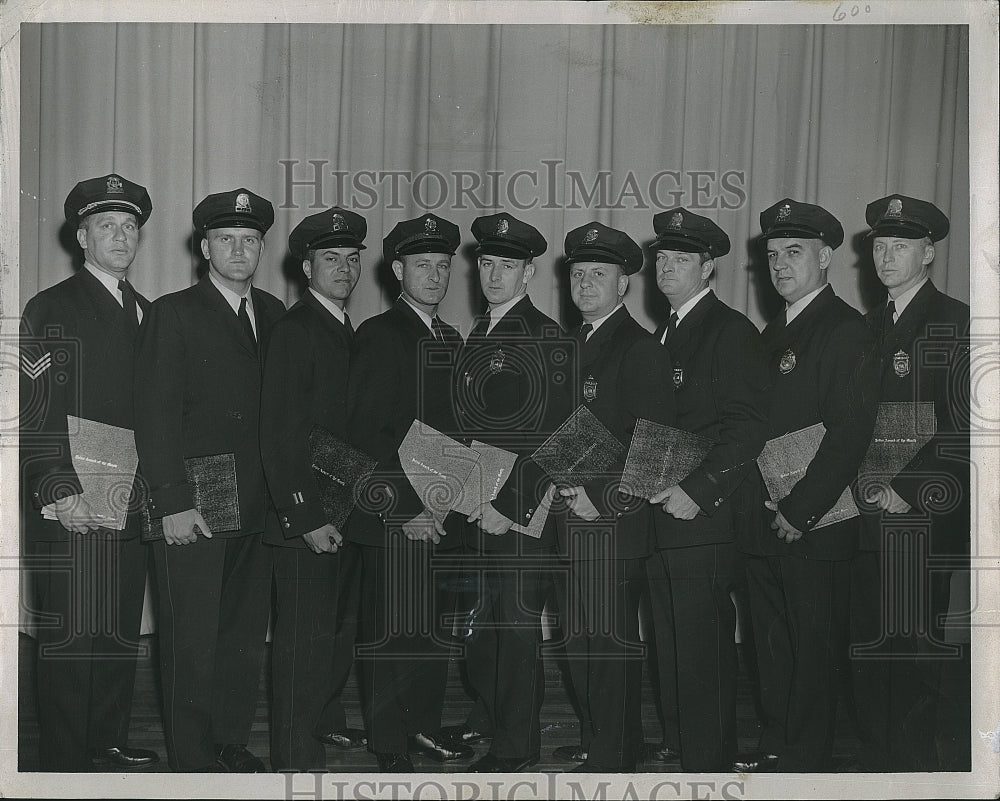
<point>598,602</point>
<point>910,688</point>
<point>303,643</point>
<point>89,593</point>
<point>694,624</point>
<point>405,642</point>
<point>502,656</point>
<point>334,716</point>
<point>799,609</point>
<point>213,600</point>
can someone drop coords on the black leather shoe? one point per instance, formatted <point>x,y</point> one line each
<point>122,757</point>
<point>463,734</point>
<point>756,763</point>
<point>661,752</point>
<point>495,764</point>
<point>345,739</point>
<point>394,763</point>
<point>437,746</point>
<point>570,753</point>
<point>235,758</point>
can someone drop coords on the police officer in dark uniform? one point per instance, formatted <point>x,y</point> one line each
<point>719,381</point>
<point>402,365</point>
<point>197,393</point>
<point>508,396</point>
<point>797,574</point>
<point>77,353</point>
<point>606,536</point>
<point>304,386</point>
<point>911,687</point>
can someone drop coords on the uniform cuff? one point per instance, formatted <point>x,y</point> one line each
<point>54,485</point>
<point>170,499</point>
<point>301,518</point>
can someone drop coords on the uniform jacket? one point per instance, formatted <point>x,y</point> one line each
<point>624,375</point>
<point>197,393</point>
<point>77,352</point>
<point>827,343</point>
<point>925,357</point>
<point>398,374</point>
<point>720,383</point>
<point>512,392</point>
<point>304,385</point>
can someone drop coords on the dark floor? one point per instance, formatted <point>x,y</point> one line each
<point>559,722</point>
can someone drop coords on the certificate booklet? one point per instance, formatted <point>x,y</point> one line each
<point>901,430</point>
<point>216,496</point>
<point>659,457</point>
<point>105,460</point>
<point>580,450</point>
<point>785,460</point>
<point>437,466</point>
<point>340,470</point>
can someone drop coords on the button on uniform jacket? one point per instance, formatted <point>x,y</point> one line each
<point>77,354</point>
<point>629,376</point>
<point>304,385</point>
<point>719,385</point>
<point>931,340</point>
<point>398,374</point>
<point>512,391</point>
<point>830,384</point>
<point>197,393</point>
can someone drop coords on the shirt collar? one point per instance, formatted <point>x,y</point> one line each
<point>109,281</point>
<point>793,310</point>
<point>599,322</point>
<point>329,305</point>
<point>689,304</point>
<point>497,313</point>
<point>904,300</point>
<point>231,297</point>
<point>424,316</point>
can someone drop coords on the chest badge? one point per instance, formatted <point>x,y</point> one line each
<point>496,361</point>
<point>678,377</point>
<point>787,362</point>
<point>590,388</point>
<point>901,363</point>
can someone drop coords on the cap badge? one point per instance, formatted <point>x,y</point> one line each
<point>430,225</point>
<point>338,223</point>
<point>590,236</point>
<point>677,220</point>
<point>502,227</point>
<point>114,186</point>
<point>787,363</point>
<point>496,361</point>
<point>678,377</point>
<point>901,363</point>
<point>590,388</point>
<point>784,212</point>
<point>895,208</point>
<point>243,203</point>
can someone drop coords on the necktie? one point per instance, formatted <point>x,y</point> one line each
<point>671,327</point>
<point>584,332</point>
<point>437,329</point>
<point>888,321</point>
<point>245,320</point>
<point>347,325</point>
<point>128,304</point>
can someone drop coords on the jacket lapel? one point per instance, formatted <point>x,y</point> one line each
<point>230,322</point>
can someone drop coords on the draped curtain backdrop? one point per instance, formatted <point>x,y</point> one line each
<point>575,123</point>
<point>731,119</point>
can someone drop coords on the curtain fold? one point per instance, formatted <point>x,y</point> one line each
<point>611,123</point>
